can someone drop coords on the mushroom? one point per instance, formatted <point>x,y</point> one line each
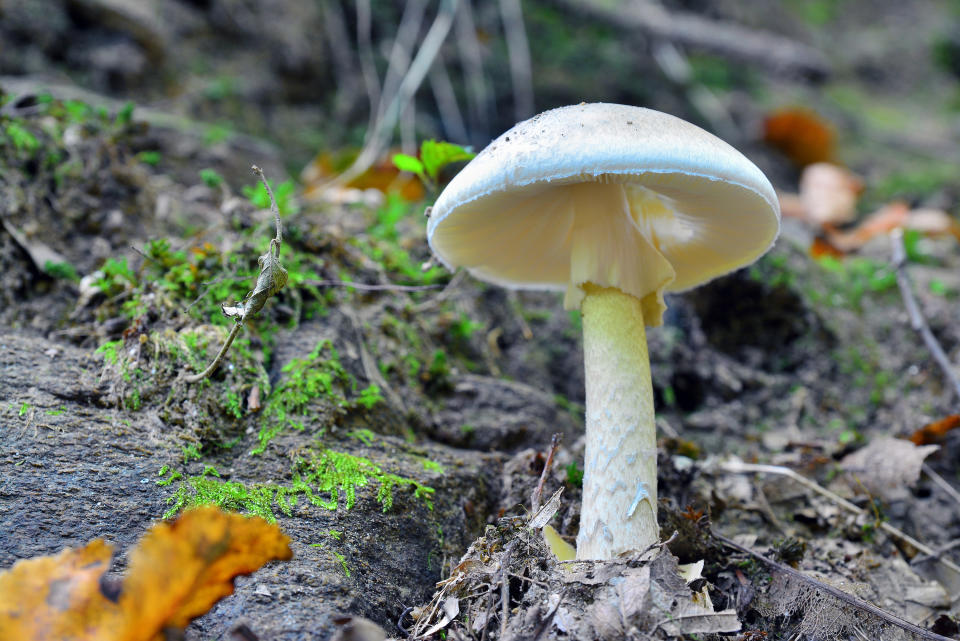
<point>613,205</point>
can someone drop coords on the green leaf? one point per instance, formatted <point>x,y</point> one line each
<point>404,162</point>
<point>436,155</point>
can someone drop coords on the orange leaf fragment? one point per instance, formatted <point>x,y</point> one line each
<point>176,573</point>
<point>800,134</point>
<point>882,221</point>
<point>58,597</point>
<point>822,247</point>
<point>934,432</point>
<point>382,176</point>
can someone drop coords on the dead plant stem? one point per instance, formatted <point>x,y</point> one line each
<point>739,467</point>
<point>835,592</point>
<point>917,320</point>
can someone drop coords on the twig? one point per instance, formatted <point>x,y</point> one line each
<point>446,100</point>
<point>335,25</point>
<point>471,59</point>
<point>941,482</point>
<point>518,50</point>
<point>773,51</point>
<point>835,592</point>
<point>365,50</point>
<point>372,288</point>
<point>952,545</point>
<point>538,492</point>
<point>739,467</point>
<point>917,321</point>
<point>505,585</point>
<point>212,367</point>
<point>273,206</point>
<point>274,253</point>
<point>545,624</point>
<point>382,130</point>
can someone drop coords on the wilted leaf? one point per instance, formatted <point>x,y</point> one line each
<point>888,466</point>
<point>176,573</point>
<point>829,193</point>
<point>546,512</point>
<point>270,281</point>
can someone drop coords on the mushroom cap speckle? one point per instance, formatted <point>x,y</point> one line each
<point>698,206</point>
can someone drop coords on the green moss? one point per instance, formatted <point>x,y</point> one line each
<point>432,466</point>
<point>229,495</point>
<point>335,474</point>
<point>319,377</point>
<point>322,479</point>
<point>110,351</point>
<point>364,435</point>
<point>190,452</point>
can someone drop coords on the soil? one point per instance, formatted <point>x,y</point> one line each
<point>793,361</point>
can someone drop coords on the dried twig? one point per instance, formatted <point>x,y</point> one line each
<point>393,104</point>
<point>739,467</point>
<point>538,492</point>
<point>447,104</point>
<point>835,592</point>
<point>271,280</point>
<point>471,59</point>
<point>941,482</point>
<point>917,321</point>
<point>372,288</point>
<point>518,49</point>
<point>505,585</point>
<point>365,50</point>
<point>734,41</point>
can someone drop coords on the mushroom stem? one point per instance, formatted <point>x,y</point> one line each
<point>620,477</point>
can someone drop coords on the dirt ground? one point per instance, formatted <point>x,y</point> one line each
<point>422,417</point>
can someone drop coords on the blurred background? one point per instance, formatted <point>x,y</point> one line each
<point>874,85</point>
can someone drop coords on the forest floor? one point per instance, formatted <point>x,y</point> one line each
<point>390,431</point>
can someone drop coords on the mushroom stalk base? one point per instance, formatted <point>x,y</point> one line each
<point>620,477</point>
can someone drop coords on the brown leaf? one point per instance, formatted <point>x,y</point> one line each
<point>888,466</point>
<point>177,572</point>
<point>880,222</point>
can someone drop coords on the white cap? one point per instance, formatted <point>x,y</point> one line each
<point>614,195</point>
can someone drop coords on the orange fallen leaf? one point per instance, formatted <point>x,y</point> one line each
<point>821,247</point>
<point>382,176</point>
<point>934,432</point>
<point>882,221</point>
<point>176,573</point>
<point>800,134</point>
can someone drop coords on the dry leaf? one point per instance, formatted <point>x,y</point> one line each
<point>176,573</point>
<point>800,134</point>
<point>935,431</point>
<point>829,193</point>
<point>382,176</point>
<point>270,281</point>
<point>546,512</point>
<point>881,222</point>
<point>887,467</point>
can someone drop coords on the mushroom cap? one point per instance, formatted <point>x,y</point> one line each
<point>693,199</point>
